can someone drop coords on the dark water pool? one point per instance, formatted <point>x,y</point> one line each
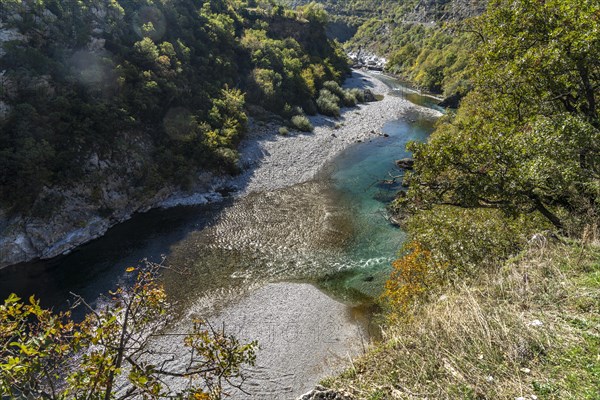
<point>332,232</point>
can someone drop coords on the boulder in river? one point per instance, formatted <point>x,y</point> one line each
<point>405,163</point>
<point>369,96</point>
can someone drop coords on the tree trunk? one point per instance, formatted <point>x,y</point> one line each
<point>554,220</point>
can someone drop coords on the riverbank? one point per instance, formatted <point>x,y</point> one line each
<point>285,227</point>
<point>269,161</point>
<point>303,335</point>
<point>525,330</point>
<point>252,259</point>
<point>273,161</point>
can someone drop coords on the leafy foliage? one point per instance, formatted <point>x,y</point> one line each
<point>332,97</point>
<point>49,355</point>
<point>89,76</point>
<point>527,139</point>
<point>428,43</point>
<point>412,276</point>
<point>468,240</point>
<point>434,58</point>
<point>302,123</point>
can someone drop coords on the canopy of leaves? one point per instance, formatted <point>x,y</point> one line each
<point>527,139</point>
<point>87,76</point>
<point>45,355</point>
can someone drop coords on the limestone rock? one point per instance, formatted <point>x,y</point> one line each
<point>405,163</point>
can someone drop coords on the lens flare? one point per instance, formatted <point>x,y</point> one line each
<point>95,70</point>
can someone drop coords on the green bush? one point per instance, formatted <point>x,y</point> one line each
<point>346,97</point>
<point>470,239</point>
<point>328,103</point>
<point>228,159</point>
<point>359,95</point>
<point>302,123</point>
<point>283,131</point>
<point>349,99</point>
<point>334,88</point>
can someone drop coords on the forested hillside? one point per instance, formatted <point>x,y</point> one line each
<point>425,42</point>
<point>107,107</point>
<point>495,294</point>
<point>165,86</point>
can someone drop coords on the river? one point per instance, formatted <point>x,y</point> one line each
<point>309,258</point>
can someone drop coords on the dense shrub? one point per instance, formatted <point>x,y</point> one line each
<point>327,103</point>
<point>334,88</point>
<point>358,94</point>
<point>467,240</point>
<point>412,276</point>
<point>302,123</point>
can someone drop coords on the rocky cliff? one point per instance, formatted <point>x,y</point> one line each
<point>66,216</point>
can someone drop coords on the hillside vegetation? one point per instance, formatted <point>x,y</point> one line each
<point>149,91</point>
<point>425,42</point>
<point>496,294</point>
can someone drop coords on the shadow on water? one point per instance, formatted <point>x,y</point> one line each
<point>332,232</point>
<point>99,265</point>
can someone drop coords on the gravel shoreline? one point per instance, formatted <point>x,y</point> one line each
<point>269,161</point>
<point>272,161</point>
<point>304,334</point>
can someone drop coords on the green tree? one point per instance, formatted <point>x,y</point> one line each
<point>528,138</point>
<point>314,12</point>
<point>47,355</point>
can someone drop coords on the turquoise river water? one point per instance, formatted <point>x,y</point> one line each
<point>331,232</point>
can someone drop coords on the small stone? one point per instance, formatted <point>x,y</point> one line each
<point>489,379</point>
<point>405,163</point>
<point>536,323</point>
<point>386,135</point>
<point>525,370</point>
<point>533,397</point>
<point>480,357</point>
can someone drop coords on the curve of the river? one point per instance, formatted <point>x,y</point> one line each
<point>294,268</point>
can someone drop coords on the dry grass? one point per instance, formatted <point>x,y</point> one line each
<point>530,329</point>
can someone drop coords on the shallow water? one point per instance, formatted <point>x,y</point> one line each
<point>331,232</point>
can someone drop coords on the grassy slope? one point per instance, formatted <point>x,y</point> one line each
<point>480,339</point>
